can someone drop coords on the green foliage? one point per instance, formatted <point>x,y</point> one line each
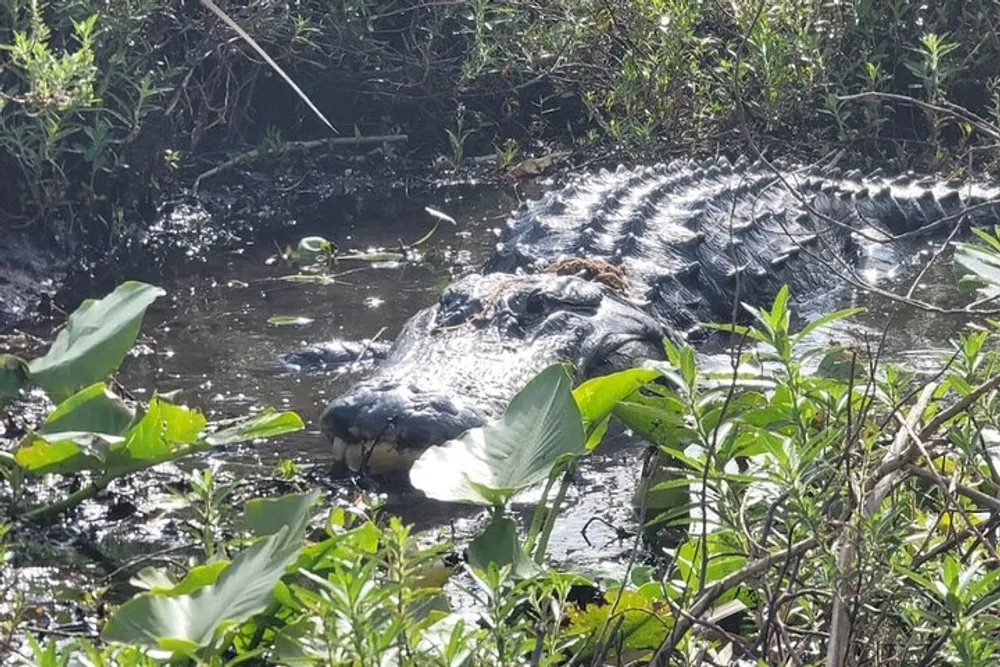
<point>94,431</point>
<point>487,465</point>
<point>172,624</point>
<point>94,342</point>
<point>978,265</point>
<point>777,460</point>
<point>102,103</point>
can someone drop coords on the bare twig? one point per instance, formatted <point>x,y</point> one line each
<point>291,146</point>
<point>846,548</point>
<point>947,108</point>
<point>214,8</point>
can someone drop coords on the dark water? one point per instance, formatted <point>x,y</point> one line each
<point>211,339</point>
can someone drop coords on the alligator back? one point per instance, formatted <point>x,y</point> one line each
<point>691,239</point>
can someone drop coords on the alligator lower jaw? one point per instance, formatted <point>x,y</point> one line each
<point>382,458</point>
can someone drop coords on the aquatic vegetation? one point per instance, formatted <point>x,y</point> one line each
<point>94,431</point>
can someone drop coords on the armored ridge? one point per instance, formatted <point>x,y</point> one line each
<point>685,233</point>
<point>599,272</point>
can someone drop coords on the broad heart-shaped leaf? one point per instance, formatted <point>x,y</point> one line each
<point>182,623</point>
<point>267,516</point>
<point>487,465</point>
<point>95,340</point>
<point>164,430</point>
<point>93,409</point>
<point>499,545</point>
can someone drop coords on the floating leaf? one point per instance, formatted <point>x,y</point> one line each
<point>487,465</point>
<point>289,321</point>
<point>313,249</point>
<point>95,340</point>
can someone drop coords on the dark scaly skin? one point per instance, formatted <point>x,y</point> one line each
<point>661,249</point>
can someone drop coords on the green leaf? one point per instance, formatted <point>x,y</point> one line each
<point>598,396</point>
<point>163,430</point>
<point>499,545</point>
<point>156,580</point>
<point>267,516</point>
<point>179,624</point>
<point>312,249</point>
<point>487,465</point>
<point>13,375</point>
<point>267,424</point>
<point>94,409</point>
<point>978,267</point>
<point>64,453</point>
<point>95,340</point>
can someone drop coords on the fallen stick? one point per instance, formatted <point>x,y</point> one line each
<point>292,146</point>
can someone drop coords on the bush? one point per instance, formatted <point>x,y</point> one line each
<point>101,102</point>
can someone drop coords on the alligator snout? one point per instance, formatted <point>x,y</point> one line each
<point>381,428</point>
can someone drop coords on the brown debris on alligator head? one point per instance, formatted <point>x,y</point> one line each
<point>594,269</point>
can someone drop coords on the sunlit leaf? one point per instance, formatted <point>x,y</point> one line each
<point>94,342</point>
<point>179,624</point>
<point>156,580</point>
<point>487,465</point>
<point>93,409</point>
<point>159,433</point>
<point>64,453</point>
<point>598,396</point>
<point>978,267</point>
<point>267,424</point>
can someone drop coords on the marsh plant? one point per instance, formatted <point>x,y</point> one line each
<point>824,506</point>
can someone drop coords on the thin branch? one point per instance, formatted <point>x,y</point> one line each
<point>214,8</point>
<point>846,548</point>
<point>291,146</point>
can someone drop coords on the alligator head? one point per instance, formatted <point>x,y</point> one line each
<point>458,363</point>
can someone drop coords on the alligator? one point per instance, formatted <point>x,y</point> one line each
<point>600,272</point>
